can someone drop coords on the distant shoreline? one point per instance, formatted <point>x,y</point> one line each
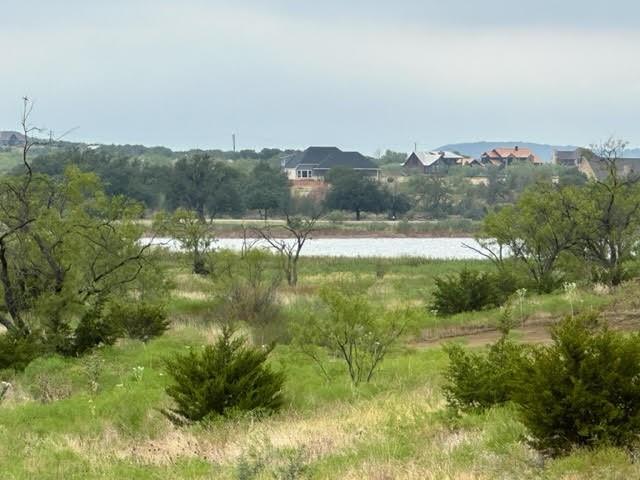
<point>450,228</point>
<point>341,234</point>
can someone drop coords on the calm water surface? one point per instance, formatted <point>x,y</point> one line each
<point>440,248</point>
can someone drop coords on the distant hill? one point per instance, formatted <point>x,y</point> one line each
<point>542,150</point>
<point>632,153</point>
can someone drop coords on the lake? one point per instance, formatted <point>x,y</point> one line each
<point>437,248</point>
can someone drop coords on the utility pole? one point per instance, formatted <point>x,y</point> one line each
<point>233,140</point>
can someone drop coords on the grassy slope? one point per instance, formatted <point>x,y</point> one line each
<point>107,423</point>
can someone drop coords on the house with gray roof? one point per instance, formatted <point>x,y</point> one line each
<point>593,166</point>
<point>315,162</point>
<point>566,158</point>
<point>598,168</point>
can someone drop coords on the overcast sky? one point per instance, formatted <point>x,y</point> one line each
<point>358,74</point>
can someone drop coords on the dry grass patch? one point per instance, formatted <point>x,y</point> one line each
<point>334,277</point>
<point>396,470</point>
<point>336,429</point>
<point>191,294</point>
<point>191,282</point>
<point>15,395</point>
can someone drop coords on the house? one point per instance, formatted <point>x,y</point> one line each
<point>436,162</point>
<point>503,156</point>
<point>566,158</point>
<point>593,166</point>
<point>469,162</point>
<point>11,139</point>
<point>315,162</point>
<point>597,168</point>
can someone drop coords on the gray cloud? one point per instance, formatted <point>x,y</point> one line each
<point>287,73</point>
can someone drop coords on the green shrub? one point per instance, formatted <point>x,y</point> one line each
<point>17,351</point>
<point>348,326</point>
<point>381,268</point>
<point>505,283</point>
<point>142,321</point>
<point>403,227</point>
<point>92,330</point>
<point>584,389</point>
<point>49,379</point>
<point>225,378</point>
<point>464,292</point>
<point>476,381</point>
<point>248,286</point>
<point>376,227</point>
<point>254,303</point>
<point>336,216</point>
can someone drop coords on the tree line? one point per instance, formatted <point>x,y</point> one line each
<point>254,184</point>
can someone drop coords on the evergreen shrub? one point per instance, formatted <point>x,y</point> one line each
<point>224,379</point>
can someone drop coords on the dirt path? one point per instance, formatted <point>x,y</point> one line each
<point>528,334</point>
<point>535,331</point>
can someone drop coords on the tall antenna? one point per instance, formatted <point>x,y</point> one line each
<point>415,147</point>
<point>233,140</point>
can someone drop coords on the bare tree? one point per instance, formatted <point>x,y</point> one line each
<point>296,231</point>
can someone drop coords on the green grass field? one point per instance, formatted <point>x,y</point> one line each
<point>99,416</point>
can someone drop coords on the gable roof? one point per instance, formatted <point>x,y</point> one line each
<point>311,156</point>
<point>425,158</point>
<point>468,161</point>
<point>347,159</point>
<point>450,155</point>
<point>7,135</point>
<point>429,158</point>
<point>501,153</point>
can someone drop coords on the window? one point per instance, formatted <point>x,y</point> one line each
<point>304,173</point>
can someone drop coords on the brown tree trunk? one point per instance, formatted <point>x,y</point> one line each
<point>13,321</point>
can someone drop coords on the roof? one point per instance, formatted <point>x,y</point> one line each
<point>347,159</point>
<point>6,136</point>
<point>468,161</point>
<point>515,152</point>
<point>325,158</point>
<point>426,158</point>
<point>311,156</point>
<point>450,155</point>
<point>429,158</point>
